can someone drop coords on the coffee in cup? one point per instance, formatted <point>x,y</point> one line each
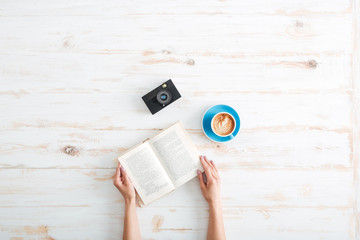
<point>223,124</point>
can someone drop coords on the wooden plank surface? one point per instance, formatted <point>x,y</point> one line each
<point>71,79</point>
<point>356,114</point>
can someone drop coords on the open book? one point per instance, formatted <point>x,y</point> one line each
<point>161,163</point>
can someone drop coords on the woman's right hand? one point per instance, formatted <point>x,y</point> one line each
<point>209,181</point>
<point>123,184</point>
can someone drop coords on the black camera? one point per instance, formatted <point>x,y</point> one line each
<point>161,96</point>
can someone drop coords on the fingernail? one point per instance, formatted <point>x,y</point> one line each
<point>122,169</point>
<point>198,172</point>
<point>211,161</point>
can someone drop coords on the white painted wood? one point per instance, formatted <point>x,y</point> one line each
<point>111,111</point>
<point>71,79</point>
<point>114,34</point>
<point>253,187</point>
<point>356,115</point>
<point>276,223</point>
<point>298,148</point>
<point>245,73</point>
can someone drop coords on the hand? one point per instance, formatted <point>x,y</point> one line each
<point>209,181</point>
<point>123,184</point>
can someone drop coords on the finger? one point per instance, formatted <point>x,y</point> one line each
<point>201,179</point>
<point>217,176</point>
<point>205,178</point>
<point>209,166</point>
<point>214,166</point>
<point>117,173</point>
<point>206,167</point>
<point>116,176</point>
<point>124,174</point>
<point>213,172</point>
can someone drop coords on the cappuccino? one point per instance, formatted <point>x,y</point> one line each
<point>223,124</point>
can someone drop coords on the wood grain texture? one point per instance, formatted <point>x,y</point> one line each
<point>356,115</point>
<point>71,79</point>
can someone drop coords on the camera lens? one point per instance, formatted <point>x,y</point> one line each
<point>163,97</point>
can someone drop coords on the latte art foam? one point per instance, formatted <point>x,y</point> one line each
<point>223,124</point>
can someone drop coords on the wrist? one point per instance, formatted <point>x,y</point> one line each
<point>215,209</point>
<point>130,201</point>
<point>214,204</point>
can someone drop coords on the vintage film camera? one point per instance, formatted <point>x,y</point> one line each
<point>161,96</point>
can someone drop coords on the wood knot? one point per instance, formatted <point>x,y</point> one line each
<point>66,44</point>
<point>166,52</point>
<point>299,24</point>
<point>311,63</point>
<point>190,62</point>
<point>71,150</point>
<point>157,221</point>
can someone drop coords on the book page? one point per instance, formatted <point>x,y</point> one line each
<point>177,154</point>
<point>146,173</point>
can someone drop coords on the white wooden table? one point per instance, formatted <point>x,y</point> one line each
<point>72,74</point>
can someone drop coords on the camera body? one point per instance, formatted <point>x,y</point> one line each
<point>161,96</point>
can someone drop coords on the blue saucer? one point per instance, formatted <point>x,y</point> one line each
<point>210,113</point>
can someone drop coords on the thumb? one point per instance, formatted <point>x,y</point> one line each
<point>117,173</point>
<point>124,174</point>
<point>201,179</point>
